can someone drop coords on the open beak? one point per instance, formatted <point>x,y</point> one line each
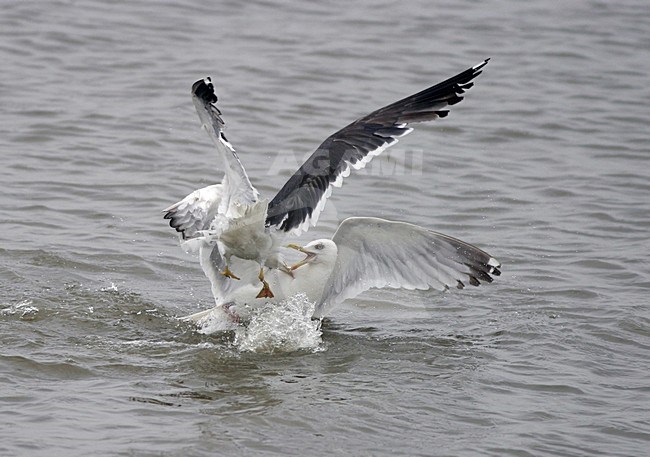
<point>310,256</point>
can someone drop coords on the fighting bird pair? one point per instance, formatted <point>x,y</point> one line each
<point>240,236</point>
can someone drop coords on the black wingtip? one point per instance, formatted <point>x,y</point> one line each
<point>173,223</point>
<point>204,89</point>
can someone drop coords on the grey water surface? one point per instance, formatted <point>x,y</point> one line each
<point>545,165</point>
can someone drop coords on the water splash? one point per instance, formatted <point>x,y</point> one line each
<point>283,327</point>
<point>269,328</point>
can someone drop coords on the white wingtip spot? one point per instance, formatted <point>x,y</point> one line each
<point>494,262</point>
<point>481,65</point>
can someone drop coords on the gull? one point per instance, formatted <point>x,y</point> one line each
<point>230,221</point>
<point>229,216</point>
<point>364,253</point>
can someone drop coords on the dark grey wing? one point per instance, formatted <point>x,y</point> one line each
<point>375,253</point>
<point>303,197</point>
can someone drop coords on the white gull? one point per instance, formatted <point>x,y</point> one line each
<point>364,253</point>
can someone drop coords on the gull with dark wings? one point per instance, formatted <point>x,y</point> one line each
<point>230,224</point>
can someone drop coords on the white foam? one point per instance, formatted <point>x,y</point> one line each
<point>112,288</point>
<point>24,309</point>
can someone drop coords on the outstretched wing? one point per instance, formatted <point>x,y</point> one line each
<point>374,252</point>
<point>237,188</point>
<point>303,197</point>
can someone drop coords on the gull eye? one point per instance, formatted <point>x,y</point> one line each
<point>319,246</point>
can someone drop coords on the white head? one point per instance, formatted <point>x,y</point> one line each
<point>318,252</point>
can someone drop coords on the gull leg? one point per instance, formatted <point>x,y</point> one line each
<point>229,274</point>
<point>266,291</point>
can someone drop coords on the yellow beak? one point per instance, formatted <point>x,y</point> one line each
<point>296,247</point>
<point>310,256</point>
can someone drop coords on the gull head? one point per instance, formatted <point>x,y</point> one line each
<point>318,251</point>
